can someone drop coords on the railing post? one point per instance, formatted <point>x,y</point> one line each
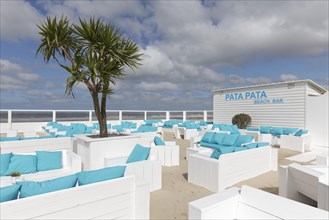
<point>54,116</point>
<point>184,115</point>
<point>90,116</point>
<point>205,116</point>
<point>145,115</point>
<point>10,119</point>
<point>167,116</point>
<point>120,115</point>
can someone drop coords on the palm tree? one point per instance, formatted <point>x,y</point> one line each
<point>92,52</point>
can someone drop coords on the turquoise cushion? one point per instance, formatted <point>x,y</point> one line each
<point>49,160</point>
<point>277,131</point>
<point>4,163</point>
<point>217,138</point>
<point>210,145</point>
<point>265,129</point>
<point>230,139</point>
<point>215,154</point>
<point>9,193</point>
<point>288,131</point>
<point>252,129</point>
<point>158,141</point>
<point>30,188</point>
<point>251,145</point>
<point>262,144</point>
<point>300,132</point>
<point>242,139</point>
<point>9,139</point>
<point>89,130</point>
<point>139,153</point>
<point>236,149</point>
<point>235,129</point>
<point>226,149</point>
<point>23,164</point>
<point>207,137</point>
<point>94,176</point>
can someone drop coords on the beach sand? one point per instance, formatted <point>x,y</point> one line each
<point>171,202</point>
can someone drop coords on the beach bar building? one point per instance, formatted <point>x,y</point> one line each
<point>299,104</point>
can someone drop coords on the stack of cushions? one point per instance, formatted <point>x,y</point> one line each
<point>31,188</point>
<point>139,153</point>
<point>233,129</point>
<point>43,160</point>
<point>158,141</point>
<point>228,141</point>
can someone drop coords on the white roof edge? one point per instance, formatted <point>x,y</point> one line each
<point>312,83</point>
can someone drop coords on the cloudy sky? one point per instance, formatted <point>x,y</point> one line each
<point>190,48</point>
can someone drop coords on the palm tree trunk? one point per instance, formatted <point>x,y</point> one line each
<point>100,114</point>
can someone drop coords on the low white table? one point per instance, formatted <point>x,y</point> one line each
<point>196,150</point>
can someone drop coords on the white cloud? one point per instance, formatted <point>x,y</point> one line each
<point>288,77</point>
<point>154,86</point>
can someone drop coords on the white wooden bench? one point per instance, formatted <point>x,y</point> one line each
<point>296,143</point>
<point>215,175</point>
<point>251,203</point>
<point>121,198</point>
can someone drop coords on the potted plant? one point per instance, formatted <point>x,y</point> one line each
<point>15,176</point>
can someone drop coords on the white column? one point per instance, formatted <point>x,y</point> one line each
<point>10,119</point>
<point>120,115</point>
<point>54,116</point>
<point>184,115</point>
<point>90,116</point>
<point>145,115</point>
<point>205,116</point>
<point>167,116</point>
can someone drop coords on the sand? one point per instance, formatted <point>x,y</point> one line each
<point>171,202</point>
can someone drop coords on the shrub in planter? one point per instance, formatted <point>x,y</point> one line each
<point>241,120</point>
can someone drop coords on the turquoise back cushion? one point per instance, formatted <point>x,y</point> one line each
<point>215,154</point>
<point>300,132</point>
<point>158,141</point>
<point>235,129</point>
<point>265,129</point>
<point>251,145</point>
<point>31,188</point>
<point>218,138</point>
<point>49,160</point>
<point>207,137</point>
<point>94,176</point>
<point>23,164</point>
<point>277,131</point>
<point>252,129</point>
<point>288,131</point>
<point>262,144</point>
<point>139,153</point>
<point>9,193</point>
<point>230,139</point>
<point>4,163</point>
<point>242,139</point>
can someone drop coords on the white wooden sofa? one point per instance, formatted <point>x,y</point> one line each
<point>215,175</point>
<point>168,154</point>
<point>251,203</point>
<point>71,163</point>
<point>305,182</point>
<point>150,170</point>
<point>296,143</point>
<point>121,198</point>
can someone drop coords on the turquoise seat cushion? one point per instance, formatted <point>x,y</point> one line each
<point>215,154</point>
<point>300,132</point>
<point>236,149</point>
<point>49,160</point>
<point>158,141</point>
<point>265,129</point>
<point>288,131</point>
<point>230,139</point>
<point>23,164</point>
<point>4,163</point>
<point>262,144</point>
<point>94,176</point>
<point>207,137</point>
<point>252,129</point>
<point>251,145</point>
<point>242,139</point>
<point>9,193</point>
<point>9,139</point>
<point>226,149</point>
<point>139,153</point>
<point>277,131</point>
<point>30,188</point>
<point>210,145</point>
<point>218,138</point>
<point>235,129</point>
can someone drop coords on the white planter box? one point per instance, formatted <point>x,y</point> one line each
<point>251,203</point>
<point>93,150</point>
<point>215,175</point>
<point>112,199</point>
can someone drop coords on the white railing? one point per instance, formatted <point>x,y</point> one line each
<point>9,116</point>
